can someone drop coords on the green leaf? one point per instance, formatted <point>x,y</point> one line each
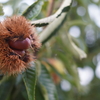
<point>33,10</point>
<point>39,93</point>
<point>71,68</point>
<point>46,81</point>
<point>6,89</point>
<point>22,7</point>
<point>1,77</point>
<point>1,9</point>
<point>29,78</point>
<point>45,21</point>
<point>4,78</point>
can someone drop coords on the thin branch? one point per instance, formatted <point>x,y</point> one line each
<point>50,7</point>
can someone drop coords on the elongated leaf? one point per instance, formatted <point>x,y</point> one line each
<point>33,10</point>
<point>81,54</point>
<point>40,95</point>
<point>29,78</point>
<point>45,21</point>
<point>52,28</point>
<point>47,82</point>
<point>76,51</point>
<point>71,68</point>
<point>1,9</point>
<point>22,7</point>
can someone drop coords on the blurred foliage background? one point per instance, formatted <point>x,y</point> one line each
<point>62,65</point>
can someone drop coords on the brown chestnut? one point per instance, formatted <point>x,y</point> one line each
<point>20,44</point>
<point>22,53</point>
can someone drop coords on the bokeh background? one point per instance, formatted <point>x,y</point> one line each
<point>83,25</point>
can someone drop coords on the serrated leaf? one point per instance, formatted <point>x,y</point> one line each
<point>1,9</point>
<point>29,78</point>
<point>45,21</point>
<point>33,10</point>
<point>46,81</point>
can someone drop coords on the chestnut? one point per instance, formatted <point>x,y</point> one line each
<point>22,53</point>
<point>20,44</point>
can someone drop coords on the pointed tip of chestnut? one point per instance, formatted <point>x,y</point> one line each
<point>20,44</point>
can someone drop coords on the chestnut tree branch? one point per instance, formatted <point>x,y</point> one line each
<point>50,7</point>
